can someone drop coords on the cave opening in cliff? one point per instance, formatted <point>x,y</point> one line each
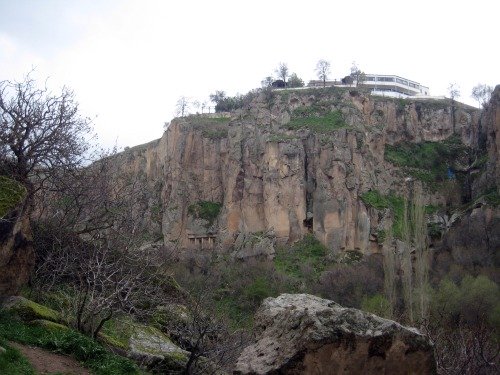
<point>308,223</point>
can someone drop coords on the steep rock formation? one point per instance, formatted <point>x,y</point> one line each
<point>474,237</point>
<point>17,257</point>
<point>304,334</point>
<point>272,174</point>
<point>489,139</point>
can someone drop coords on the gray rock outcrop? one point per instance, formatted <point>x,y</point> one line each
<point>270,175</point>
<point>304,334</point>
<point>17,256</point>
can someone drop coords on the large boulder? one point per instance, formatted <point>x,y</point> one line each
<point>304,334</point>
<point>30,311</point>
<point>146,345</point>
<point>151,347</point>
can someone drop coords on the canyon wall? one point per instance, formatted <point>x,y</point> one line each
<point>276,177</point>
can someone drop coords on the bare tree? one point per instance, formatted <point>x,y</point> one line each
<point>357,74</point>
<point>282,72</point>
<point>182,106</point>
<point>422,258</point>
<point>390,272</point>
<point>267,82</point>
<point>323,70</point>
<point>415,258</point>
<point>204,105</point>
<point>406,265</point>
<point>41,133</point>
<point>453,91</point>
<point>99,280</point>
<point>465,348</point>
<point>482,93</point>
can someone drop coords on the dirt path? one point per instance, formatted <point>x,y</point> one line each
<point>45,362</point>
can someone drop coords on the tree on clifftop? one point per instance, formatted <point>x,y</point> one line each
<point>182,106</point>
<point>40,132</point>
<point>295,81</point>
<point>267,82</point>
<point>482,93</point>
<point>357,74</point>
<point>454,91</point>
<point>323,70</point>
<point>282,72</point>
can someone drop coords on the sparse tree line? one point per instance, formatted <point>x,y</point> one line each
<point>481,93</point>
<point>282,78</point>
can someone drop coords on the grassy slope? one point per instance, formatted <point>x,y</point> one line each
<point>84,349</point>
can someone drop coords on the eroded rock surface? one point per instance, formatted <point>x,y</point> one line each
<point>289,180</point>
<point>146,345</point>
<point>151,347</point>
<point>304,334</point>
<point>17,256</point>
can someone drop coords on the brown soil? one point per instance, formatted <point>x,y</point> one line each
<point>45,362</point>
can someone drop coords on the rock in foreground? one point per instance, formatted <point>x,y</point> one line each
<point>304,334</point>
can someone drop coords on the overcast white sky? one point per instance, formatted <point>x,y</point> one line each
<point>129,61</point>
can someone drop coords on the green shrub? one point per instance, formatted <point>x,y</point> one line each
<point>350,257</point>
<point>215,133</point>
<point>427,161</point>
<point>316,120</point>
<point>205,210</point>
<point>374,199</point>
<point>377,304</point>
<point>493,198</point>
<point>446,299</point>
<point>381,236</point>
<point>199,120</point>
<point>476,300</point>
<point>307,252</point>
<point>11,193</point>
<point>258,290</point>
<point>479,298</point>
<point>84,349</point>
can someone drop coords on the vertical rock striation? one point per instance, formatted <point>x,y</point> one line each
<point>276,177</point>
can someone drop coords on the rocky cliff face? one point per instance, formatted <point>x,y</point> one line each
<point>489,139</point>
<point>17,257</point>
<point>290,163</point>
<point>304,334</point>
<point>474,237</point>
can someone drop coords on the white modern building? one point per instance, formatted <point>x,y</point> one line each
<point>394,86</point>
<point>380,84</point>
